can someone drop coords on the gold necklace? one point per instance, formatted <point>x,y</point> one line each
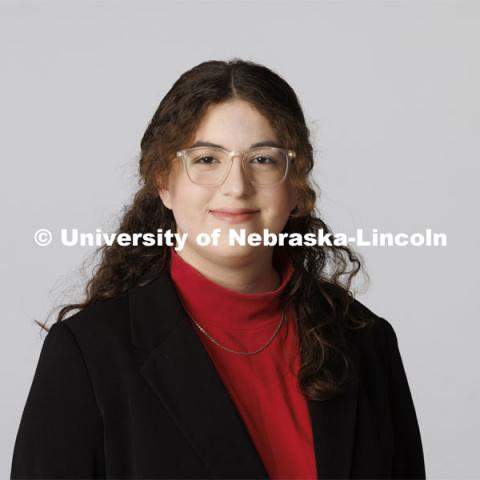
<point>234,351</point>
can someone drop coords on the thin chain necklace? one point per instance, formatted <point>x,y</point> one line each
<point>234,351</point>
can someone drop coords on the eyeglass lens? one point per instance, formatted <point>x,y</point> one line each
<point>209,165</point>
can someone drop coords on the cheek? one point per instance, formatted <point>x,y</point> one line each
<point>280,199</point>
<point>190,205</point>
<point>276,208</point>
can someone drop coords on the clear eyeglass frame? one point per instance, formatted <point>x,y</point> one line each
<point>289,154</point>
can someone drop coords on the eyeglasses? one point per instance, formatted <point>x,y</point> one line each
<point>264,166</point>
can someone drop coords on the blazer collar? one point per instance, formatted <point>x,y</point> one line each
<point>182,375</point>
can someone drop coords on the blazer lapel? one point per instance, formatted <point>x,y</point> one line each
<point>181,373</point>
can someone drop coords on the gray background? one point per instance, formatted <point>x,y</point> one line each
<point>390,91</point>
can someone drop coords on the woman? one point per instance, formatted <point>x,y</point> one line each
<point>221,361</point>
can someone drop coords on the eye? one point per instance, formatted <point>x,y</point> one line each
<point>264,160</point>
<point>207,158</point>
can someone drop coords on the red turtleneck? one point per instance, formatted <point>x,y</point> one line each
<point>263,386</point>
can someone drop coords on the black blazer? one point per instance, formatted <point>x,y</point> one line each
<point>125,389</point>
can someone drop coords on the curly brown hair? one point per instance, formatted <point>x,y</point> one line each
<point>320,288</point>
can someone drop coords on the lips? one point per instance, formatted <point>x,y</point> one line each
<point>234,215</point>
<point>234,211</point>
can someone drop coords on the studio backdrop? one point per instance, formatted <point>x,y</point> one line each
<point>390,95</point>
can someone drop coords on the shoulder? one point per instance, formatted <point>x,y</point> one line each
<point>100,324</point>
<point>377,339</point>
<point>377,325</point>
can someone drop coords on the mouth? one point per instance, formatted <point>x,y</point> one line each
<point>234,215</point>
<point>235,211</point>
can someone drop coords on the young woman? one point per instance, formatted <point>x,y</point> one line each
<point>221,361</point>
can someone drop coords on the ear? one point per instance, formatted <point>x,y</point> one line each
<point>165,197</point>
<point>293,201</point>
<point>164,194</point>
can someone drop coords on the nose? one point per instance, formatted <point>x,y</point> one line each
<point>236,181</point>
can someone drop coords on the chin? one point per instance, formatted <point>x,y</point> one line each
<point>237,251</point>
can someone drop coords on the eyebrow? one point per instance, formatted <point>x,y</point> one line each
<point>266,143</point>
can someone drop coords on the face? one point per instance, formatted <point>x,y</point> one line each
<point>235,125</point>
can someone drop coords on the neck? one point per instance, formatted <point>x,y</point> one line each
<point>244,275</point>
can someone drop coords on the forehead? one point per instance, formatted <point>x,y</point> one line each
<point>235,123</point>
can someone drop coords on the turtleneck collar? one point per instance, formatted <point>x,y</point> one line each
<point>212,304</point>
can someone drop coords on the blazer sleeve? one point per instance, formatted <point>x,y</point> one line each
<point>60,431</point>
<point>408,459</point>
